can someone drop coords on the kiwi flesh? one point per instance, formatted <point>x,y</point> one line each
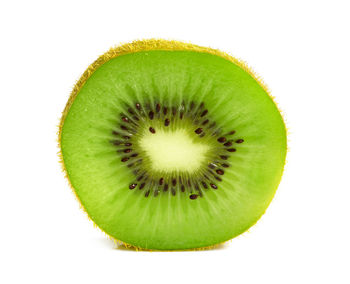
<point>172,146</point>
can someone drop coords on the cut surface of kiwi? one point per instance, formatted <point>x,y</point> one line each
<point>172,146</point>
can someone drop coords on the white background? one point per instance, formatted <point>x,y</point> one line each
<point>300,48</point>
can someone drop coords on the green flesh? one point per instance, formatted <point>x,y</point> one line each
<point>235,101</point>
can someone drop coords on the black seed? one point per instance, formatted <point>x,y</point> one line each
<point>204,184</point>
<point>127,150</point>
<point>165,110</point>
<point>147,193</point>
<point>217,178</point>
<point>125,159</point>
<point>116,142</point>
<point>202,135</point>
<point>182,188</point>
<point>205,122</point>
<point>192,106</point>
<point>127,144</point>
<point>201,105</point>
<point>220,172</point>
<point>152,130</point>
<point>142,185</point>
<point>156,192</point>
<point>130,110</point>
<point>167,122</point>
<point>166,186</point>
<point>224,157</point>
<point>161,180</point>
<point>139,178</point>
<point>157,107</point>
<point>135,118</point>
<point>133,185</point>
<point>130,165</point>
<point>134,155</point>
<point>212,166</point>
<point>181,115</point>
<point>189,183</point>
<point>225,165</point>
<point>213,186</point>
<point>174,181</point>
<point>198,130</point>
<point>221,139</point>
<point>228,144</point>
<point>231,132</point>
<point>206,177</point>
<point>173,192</point>
<point>125,119</point>
<point>124,127</point>
<point>204,113</point>
<point>196,187</point>
<point>173,110</point>
<point>239,141</point>
<point>231,150</point>
<point>151,115</point>
<point>193,196</point>
<point>138,106</point>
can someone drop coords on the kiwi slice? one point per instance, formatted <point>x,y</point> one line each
<point>172,146</point>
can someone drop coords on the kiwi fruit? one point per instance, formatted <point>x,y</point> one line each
<point>172,146</point>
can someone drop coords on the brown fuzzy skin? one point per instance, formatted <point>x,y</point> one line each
<point>137,46</point>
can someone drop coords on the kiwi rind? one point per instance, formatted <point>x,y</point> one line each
<point>136,46</point>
